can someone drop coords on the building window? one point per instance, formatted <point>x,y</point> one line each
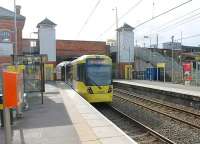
<point>32,43</point>
<point>5,36</point>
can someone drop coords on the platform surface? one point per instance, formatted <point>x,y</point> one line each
<point>64,118</point>
<point>176,88</point>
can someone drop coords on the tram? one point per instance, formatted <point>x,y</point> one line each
<point>91,77</point>
<point>61,69</point>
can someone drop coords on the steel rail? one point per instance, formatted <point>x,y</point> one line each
<point>151,109</point>
<point>157,102</point>
<point>153,132</point>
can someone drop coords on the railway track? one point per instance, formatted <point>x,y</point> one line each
<point>136,130</point>
<point>179,114</point>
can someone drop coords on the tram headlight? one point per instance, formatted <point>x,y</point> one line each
<point>90,90</point>
<point>110,89</point>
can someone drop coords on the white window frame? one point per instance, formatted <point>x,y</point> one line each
<point>3,33</point>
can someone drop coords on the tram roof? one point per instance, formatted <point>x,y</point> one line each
<point>84,57</point>
<point>63,63</point>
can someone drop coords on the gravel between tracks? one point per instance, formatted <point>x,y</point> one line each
<point>137,132</point>
<point>178,132</point>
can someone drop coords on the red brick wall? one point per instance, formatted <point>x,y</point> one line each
<point>26,44</point>
<point>70,48</point>
<point>9,25</point>
<point>5,59</point>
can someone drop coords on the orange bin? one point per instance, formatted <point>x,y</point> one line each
<point>12,84</point>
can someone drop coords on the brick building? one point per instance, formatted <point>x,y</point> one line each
<point>7,33</point>
<point>69,49</point>
<point>46,42</point>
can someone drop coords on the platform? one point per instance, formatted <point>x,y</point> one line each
<point>189,95</point>
<point>64,118</point>
<point>176,88</point>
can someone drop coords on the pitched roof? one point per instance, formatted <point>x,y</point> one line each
<point>46,21</point>
<point>126,27</point>
<point>7,14</point>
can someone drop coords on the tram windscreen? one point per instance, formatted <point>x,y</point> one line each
<point>99,74</point>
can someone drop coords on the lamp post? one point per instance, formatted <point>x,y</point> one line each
<point>150,58</point>
<point>172,58</point>
<point>15,30</point>
<point>6,111</point>
<point>180,61</point>
<point>117,43</point>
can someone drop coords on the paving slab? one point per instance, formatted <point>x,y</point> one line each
<point>47,123</point>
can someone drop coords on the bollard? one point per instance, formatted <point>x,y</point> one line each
<point>7,126</point>
<point>1,115</point>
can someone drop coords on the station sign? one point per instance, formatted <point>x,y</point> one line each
<point>160,65</point>
<point>197,58</point>
<point>187,67</point>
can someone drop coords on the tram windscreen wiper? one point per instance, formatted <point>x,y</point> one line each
<point>94,82</point>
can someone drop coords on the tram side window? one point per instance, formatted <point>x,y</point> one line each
<point>80,72</point>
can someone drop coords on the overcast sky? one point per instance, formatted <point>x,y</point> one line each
<point>70,16</point>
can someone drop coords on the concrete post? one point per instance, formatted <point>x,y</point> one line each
<point>7,126</point>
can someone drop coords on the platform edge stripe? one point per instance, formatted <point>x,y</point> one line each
<point>112,124</point>
<point>75,123</point>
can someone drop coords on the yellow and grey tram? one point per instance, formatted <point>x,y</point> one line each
<point>91,77</point>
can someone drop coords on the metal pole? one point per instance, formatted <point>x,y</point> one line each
<point>119,74</point>
<point>133,53</point>
<point>117,41</point>
<point>15,29</point>
<point>157,73</point>
<point>150,63</point>
<point>65,73</point>
<point>7,126</point>
<point>196,73</point>
<point>149,42</point>
<point>181,57</point>
<point>164,74</point>
<point>129,69</point>
<point>181,38</point>
<point>30,43</point>
<point>172,58</point>
<point>157,41</point>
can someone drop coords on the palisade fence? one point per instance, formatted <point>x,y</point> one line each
<point>195,77</point>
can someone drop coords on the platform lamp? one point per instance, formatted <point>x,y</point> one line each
<point>172,76</point>
<point>15,32</point>
<point>150,58</point>
<point>117,44</point>
<point>6,111</point>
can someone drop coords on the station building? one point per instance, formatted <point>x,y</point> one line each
<point>58,50</point>
<point>7,33</point>
<point>46,43</point>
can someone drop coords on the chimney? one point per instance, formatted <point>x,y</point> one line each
<point>18,9</point>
